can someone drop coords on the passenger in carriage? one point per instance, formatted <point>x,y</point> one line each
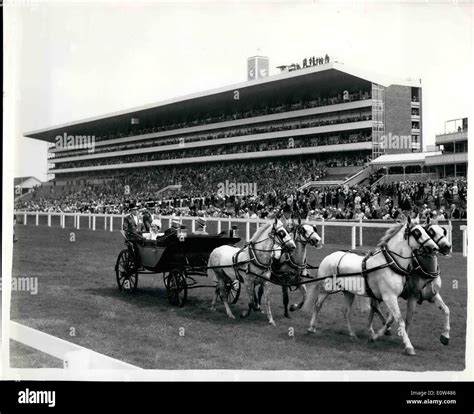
<point>154,231</point>
<point>175,226</point>
<point>132,225</point>
<point>133,228</point>
<point>201,227</point>
<point>146,218</point>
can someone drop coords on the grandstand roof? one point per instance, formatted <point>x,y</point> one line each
<point>332,77</point>
<point>403,158</point>
<point>19,180</point>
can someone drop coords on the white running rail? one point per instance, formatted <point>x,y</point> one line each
<point>74,357</point>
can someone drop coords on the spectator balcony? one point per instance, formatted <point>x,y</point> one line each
<point>451,137</point>
<point>453,158</point>
<point>359,146</point>
<point>244,122</point>
<point>351,126</point>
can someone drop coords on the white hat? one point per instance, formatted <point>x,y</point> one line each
<point>156,222</point>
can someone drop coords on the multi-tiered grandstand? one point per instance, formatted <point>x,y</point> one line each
<point>292,129</point>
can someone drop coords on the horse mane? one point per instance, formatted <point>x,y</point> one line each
<point>260,231</point>
<point>389,234</point>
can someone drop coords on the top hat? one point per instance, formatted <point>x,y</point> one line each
<point>175,224</point>
<point>201,222</point>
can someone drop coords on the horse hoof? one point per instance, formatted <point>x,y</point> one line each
<point>293,308</point>
<point>272,323</point>
<point>388,332</point>
<point>244,314</point>
<point>231,316</point>
<point>410,351</point>
<point>444,340</point>
<point>312,330</point>
<point>213,309</point>
<point>354,337</point>
<point>371,340</point>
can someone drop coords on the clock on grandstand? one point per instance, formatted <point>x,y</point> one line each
<point>257,67</point>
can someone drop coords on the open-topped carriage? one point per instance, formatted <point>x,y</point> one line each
<point>180,257</point>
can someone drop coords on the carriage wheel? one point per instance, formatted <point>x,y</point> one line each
<point>176,288</point>
<point>126,271</point>
<point>232,291</point>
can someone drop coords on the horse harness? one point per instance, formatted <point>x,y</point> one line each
<point>250,257</point>
<point>392,263</point>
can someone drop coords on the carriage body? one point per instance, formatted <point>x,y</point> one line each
<point>179,258</point>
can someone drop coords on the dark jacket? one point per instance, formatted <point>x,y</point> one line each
<point>130,226</point>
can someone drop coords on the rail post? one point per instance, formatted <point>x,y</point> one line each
<point>121,224</point>
<point>49,219</point>
<point>78,221</point>
<point>111,223</point>
<point>63,220</point>
<point>89,219</point>
<point>464,240</point>
<point>193,225</point>
<point>218,225</point>
<point>353,237</point>
<point>105,222</point>
<point>450,231</point>
<point>322,231</point>
<point>247,230</point>
<point>93,223</point>
<point>25,219</point>
<point>360,231</point>
<point>37,219</point>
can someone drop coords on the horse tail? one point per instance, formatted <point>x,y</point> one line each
<point>363,303</point>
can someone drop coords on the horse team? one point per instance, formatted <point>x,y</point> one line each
<point>404,264</point>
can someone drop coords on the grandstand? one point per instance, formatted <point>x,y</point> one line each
<point>307,138</point>
<point>329,115</point>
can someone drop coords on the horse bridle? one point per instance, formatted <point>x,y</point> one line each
<point>416,233</point>
<point>429,229</point>
<point>280,234</point>
<point>303,239</point>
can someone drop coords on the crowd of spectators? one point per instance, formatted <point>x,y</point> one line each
<point>277,185</point>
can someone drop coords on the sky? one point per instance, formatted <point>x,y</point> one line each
<point>67,61</point>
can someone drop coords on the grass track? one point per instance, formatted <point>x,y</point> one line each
<point>77,290</point>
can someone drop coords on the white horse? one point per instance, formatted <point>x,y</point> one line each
<point>424,284</point>
<point>251,264</point>
<point>292,266</point>
<point>380,274</point>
